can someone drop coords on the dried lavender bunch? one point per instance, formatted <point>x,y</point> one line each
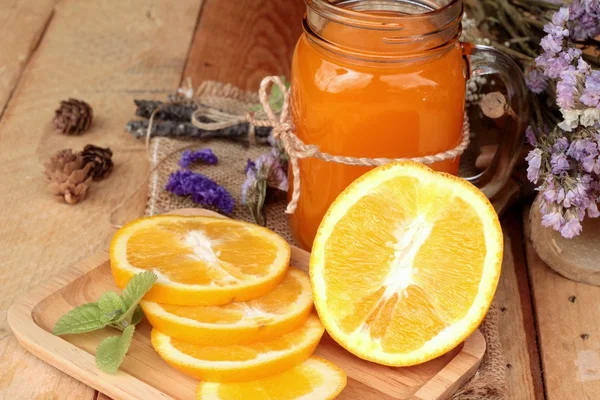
<point>201,189</point>
<point>203,156</point>
<point>565,163</point>
<point>175,129</point>
<point>180,111</point>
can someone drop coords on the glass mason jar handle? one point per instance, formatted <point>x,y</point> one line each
<point>485,60</point>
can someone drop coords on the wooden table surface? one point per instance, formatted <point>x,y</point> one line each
<point>109,52</point>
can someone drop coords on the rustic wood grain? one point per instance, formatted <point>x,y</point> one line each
<point>517,328</point>
<point>242,41</point>
<point>143,375</point>
<point>106,52</point>
<point>567,315</point>
<point>22,24</point>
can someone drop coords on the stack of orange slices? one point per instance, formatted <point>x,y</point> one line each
<point>226,308</point>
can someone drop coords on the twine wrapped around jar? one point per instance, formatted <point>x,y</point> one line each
<point>283,130</point>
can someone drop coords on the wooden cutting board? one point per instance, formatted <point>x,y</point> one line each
<point>145,376</point>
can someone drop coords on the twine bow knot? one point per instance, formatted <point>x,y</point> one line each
<point>283,129</point>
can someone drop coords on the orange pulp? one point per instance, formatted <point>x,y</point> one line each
<point>361,108</point>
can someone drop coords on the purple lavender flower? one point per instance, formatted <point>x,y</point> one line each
<point>553,64</point>
<point>579,195</point>
<point>592,210</point>
<point>201,189</point>
<point>548,191</point>
<point>552,43</point>
<point>534,158</point>
<point>560,195</point>
<point>591,92</point>
<point>269,170</point>
<point>265,162</point>
<point>586,27</point>
<point>561,144</point>
<point>204,156</point>
<point>566,88</point>
<point>530,136</point>
<point>559,163</point>
<point>560,18</point>
<point>269,166</point>
<point>580,148</point>
<point>584,17</point>
<point>553,219</point>
<point>254,190</point>
<point>591,164</point>
<point>566,167</point>
<point>571,227</point>
<point>249,186</point>
<point>536,81</point>
<point>583,67</point>
<point>250,165</point>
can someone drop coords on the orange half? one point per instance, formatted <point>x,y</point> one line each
<point>405,264</point>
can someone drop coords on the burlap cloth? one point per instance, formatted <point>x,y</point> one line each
<point>489,382</point>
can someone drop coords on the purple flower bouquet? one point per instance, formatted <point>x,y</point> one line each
<point>565,161</point>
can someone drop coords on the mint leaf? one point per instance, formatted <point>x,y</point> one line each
<point>111,306</point>
<point>111,351</point>
<point>85,318</point>
<point>136,288</point>
<point>122,312</point>
<point>137,316</point>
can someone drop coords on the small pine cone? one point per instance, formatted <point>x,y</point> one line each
<point>73,117</point>
<point>100,160</point>
<point>67,175</point>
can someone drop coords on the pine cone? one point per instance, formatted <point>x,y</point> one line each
<point>68,176</point>
<point>100,159</point>
<point>73,117</point>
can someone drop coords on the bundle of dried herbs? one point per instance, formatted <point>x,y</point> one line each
<point>179,129</point>
<point>173,119</point>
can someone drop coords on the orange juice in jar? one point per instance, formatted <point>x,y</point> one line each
<point>386,79</point>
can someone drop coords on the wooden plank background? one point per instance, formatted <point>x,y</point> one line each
<point>22,24</point>
<point>242,41</point>
<point>112,51</point>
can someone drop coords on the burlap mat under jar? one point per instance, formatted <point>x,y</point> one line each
<point>489,383</point>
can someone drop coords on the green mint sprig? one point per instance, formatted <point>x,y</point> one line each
<point>122,312</point>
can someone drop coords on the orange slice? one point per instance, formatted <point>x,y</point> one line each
<point>314,379</point>
<point>200,260</point>
<point>405,264</point>
<point>236,363</point>
<point>280,311</point>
